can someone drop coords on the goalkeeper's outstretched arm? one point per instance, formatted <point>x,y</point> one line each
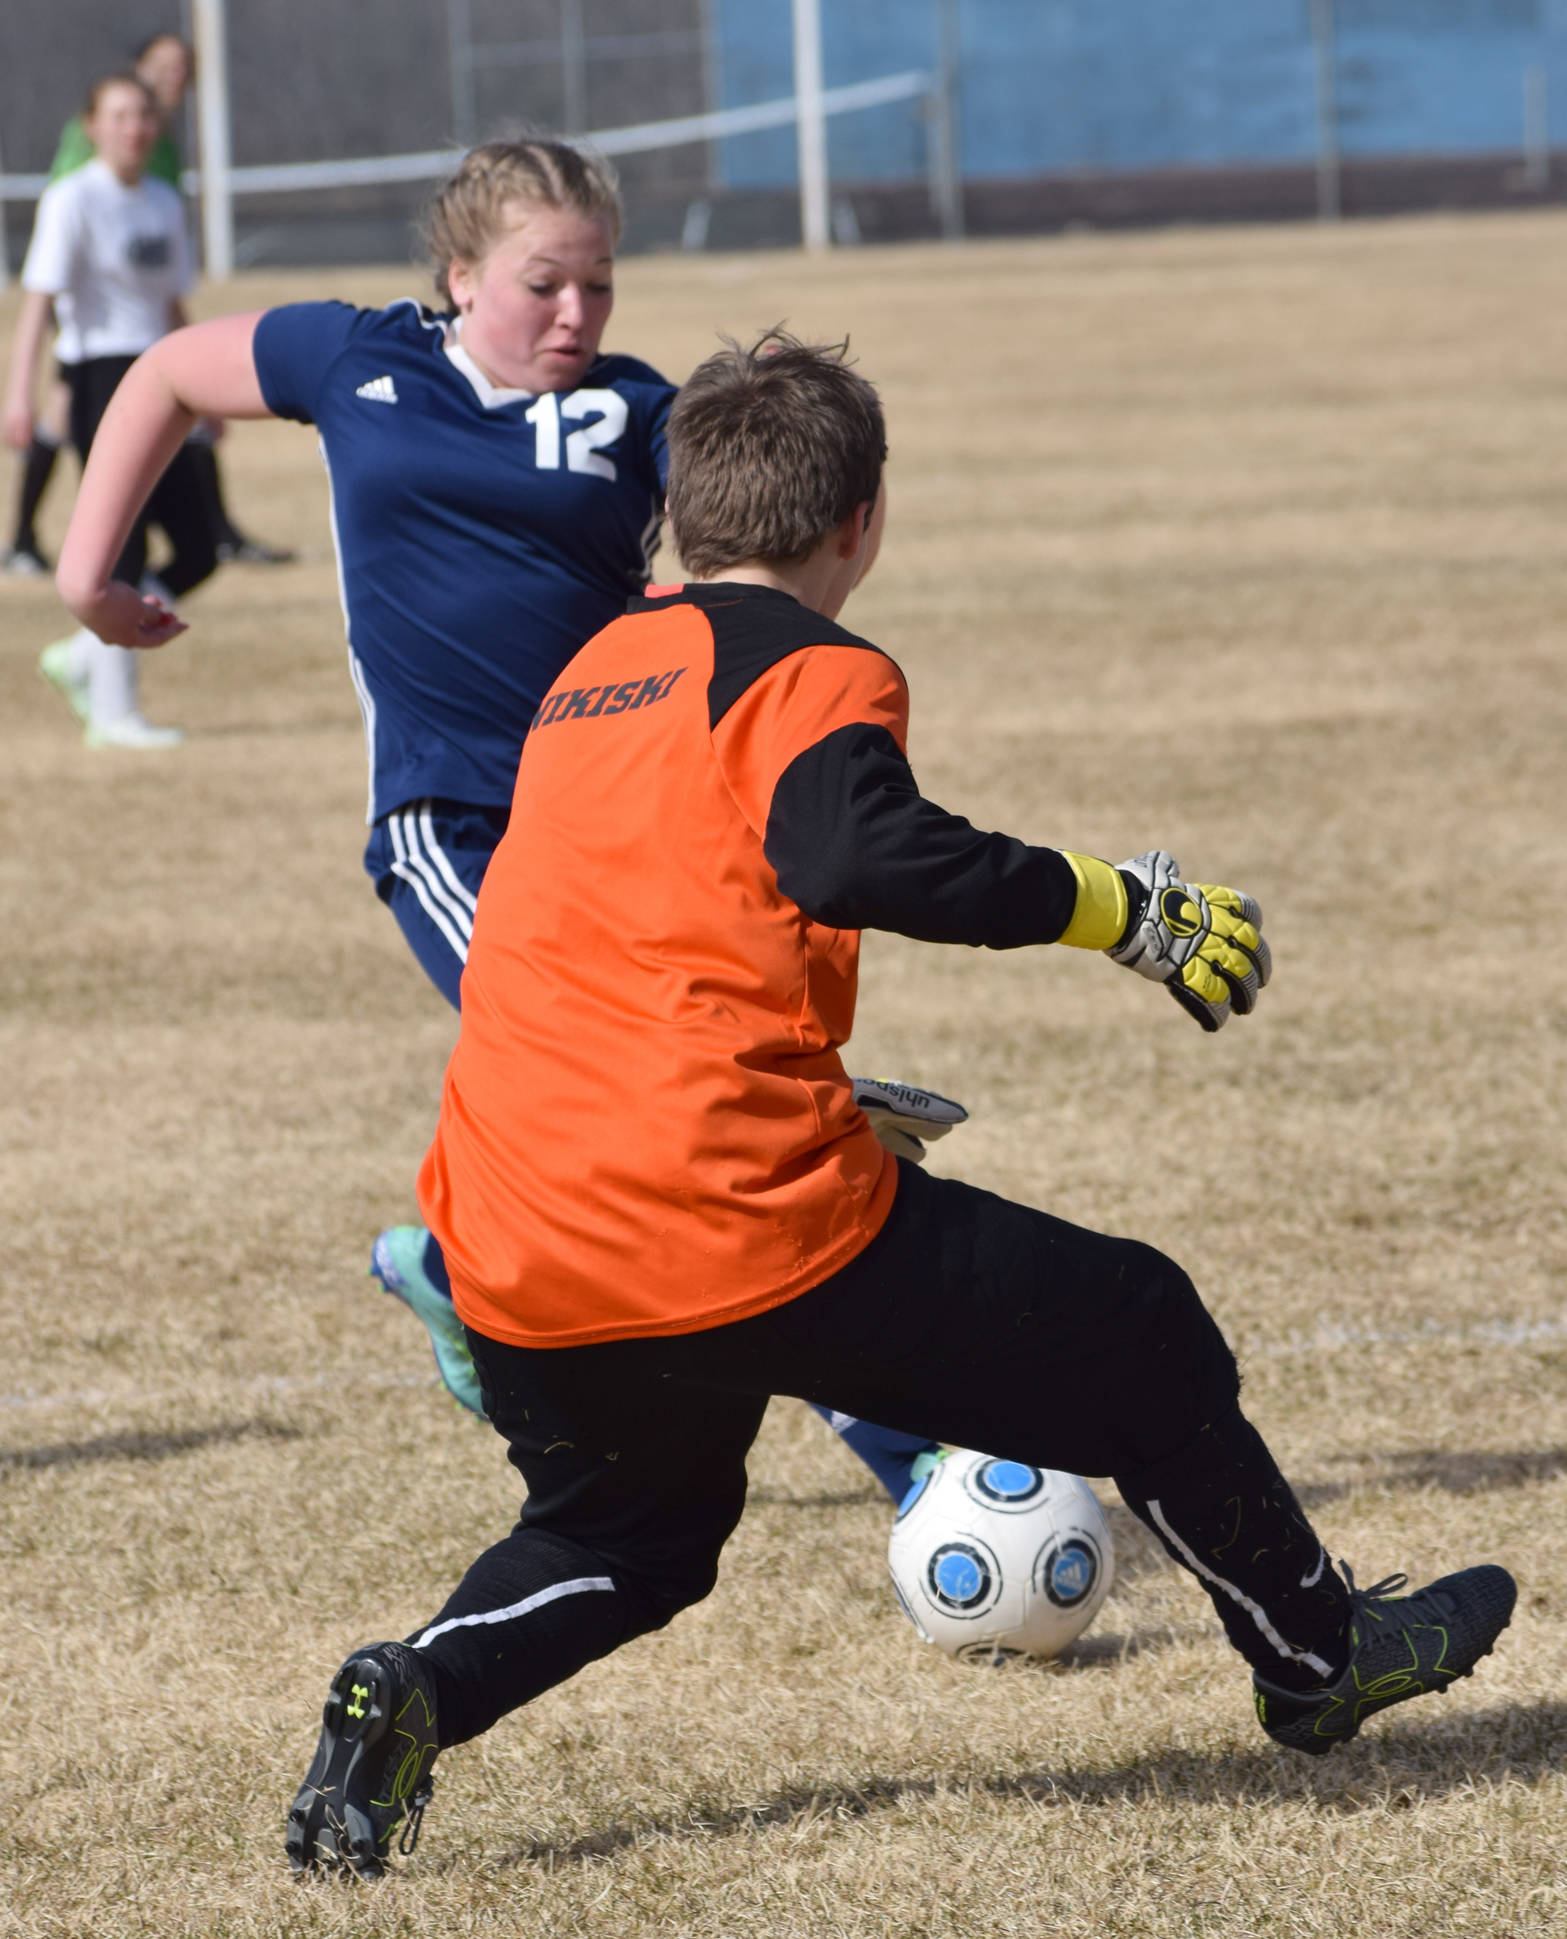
<point>854,843</point>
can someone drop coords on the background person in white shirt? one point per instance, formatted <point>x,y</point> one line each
<point>167,63</point>
<point>110,259</point>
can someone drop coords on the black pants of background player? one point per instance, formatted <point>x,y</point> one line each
<point>180,504</point>
<point>967,1319</point>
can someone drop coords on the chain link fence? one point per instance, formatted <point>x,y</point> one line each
<point>1064,111</point>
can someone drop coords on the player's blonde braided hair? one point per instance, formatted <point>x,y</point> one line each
<point>469,215</point>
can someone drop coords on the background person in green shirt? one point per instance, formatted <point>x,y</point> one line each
<point>167,65</point>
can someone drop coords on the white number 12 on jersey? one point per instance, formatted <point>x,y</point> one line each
<point>582,446</point>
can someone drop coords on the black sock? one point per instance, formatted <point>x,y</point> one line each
<point>37,467</point>
<point>1224,1511</point>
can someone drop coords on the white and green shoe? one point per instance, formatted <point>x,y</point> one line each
<point>57,664</point>
<point>397,1260</point>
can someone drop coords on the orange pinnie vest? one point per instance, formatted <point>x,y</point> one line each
<point>646,1127</point>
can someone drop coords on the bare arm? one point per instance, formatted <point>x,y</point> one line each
<point>206,370</point>
<point>179,319</point>
<point>32,326</point>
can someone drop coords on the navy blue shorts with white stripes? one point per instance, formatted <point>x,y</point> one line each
<point>427,859</point>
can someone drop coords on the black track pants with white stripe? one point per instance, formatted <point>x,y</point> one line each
<point>968,1319</point>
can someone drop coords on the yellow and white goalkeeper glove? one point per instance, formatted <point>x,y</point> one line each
<point>1203,942</point>
<point>903,1116</point>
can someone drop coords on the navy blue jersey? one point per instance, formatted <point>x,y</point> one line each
<point>482,535</point>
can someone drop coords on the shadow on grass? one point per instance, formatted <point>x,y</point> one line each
<point>1103,1649</point>
<point>143,1447</point>
<point>1470,1472</point>
<point>845,1498</point>
<point>1424,1760</point>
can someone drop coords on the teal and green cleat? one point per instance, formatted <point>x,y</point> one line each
<point>1399,1647</point>
<point>397,1260</point>
<point>370,1775</point>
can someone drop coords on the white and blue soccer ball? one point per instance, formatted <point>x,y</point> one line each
<point>993,1559</point>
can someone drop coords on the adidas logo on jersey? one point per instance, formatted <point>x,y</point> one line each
<point>379,390</point>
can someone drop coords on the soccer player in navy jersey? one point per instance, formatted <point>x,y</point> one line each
<point>497,489</point>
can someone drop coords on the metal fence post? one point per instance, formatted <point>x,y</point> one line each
<point>459,46</point>
<point>1328,205</point>
<point>945,127</point>
<point>212,114</point>
<point>811,125</point>
<point>712,87</point>
<point>1536,128</point>
<point>573,67</point>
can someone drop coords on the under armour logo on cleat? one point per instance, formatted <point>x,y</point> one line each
<point>379,390</point>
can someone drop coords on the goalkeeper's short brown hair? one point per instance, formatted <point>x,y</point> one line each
<point>770,450</point>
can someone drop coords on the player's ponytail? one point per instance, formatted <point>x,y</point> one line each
<point>469,214</point>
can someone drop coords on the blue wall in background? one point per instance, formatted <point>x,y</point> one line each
<point>1056,86</point>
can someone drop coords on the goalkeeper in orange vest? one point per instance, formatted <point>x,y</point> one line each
<point>711,805</point>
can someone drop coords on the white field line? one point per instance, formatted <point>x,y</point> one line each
<point>1294,1345</point>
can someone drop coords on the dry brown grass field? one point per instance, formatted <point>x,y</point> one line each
<point>1249,544</point>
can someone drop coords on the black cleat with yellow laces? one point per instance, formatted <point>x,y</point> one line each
<point>1399,1646</point>
<point>370,1775</point>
